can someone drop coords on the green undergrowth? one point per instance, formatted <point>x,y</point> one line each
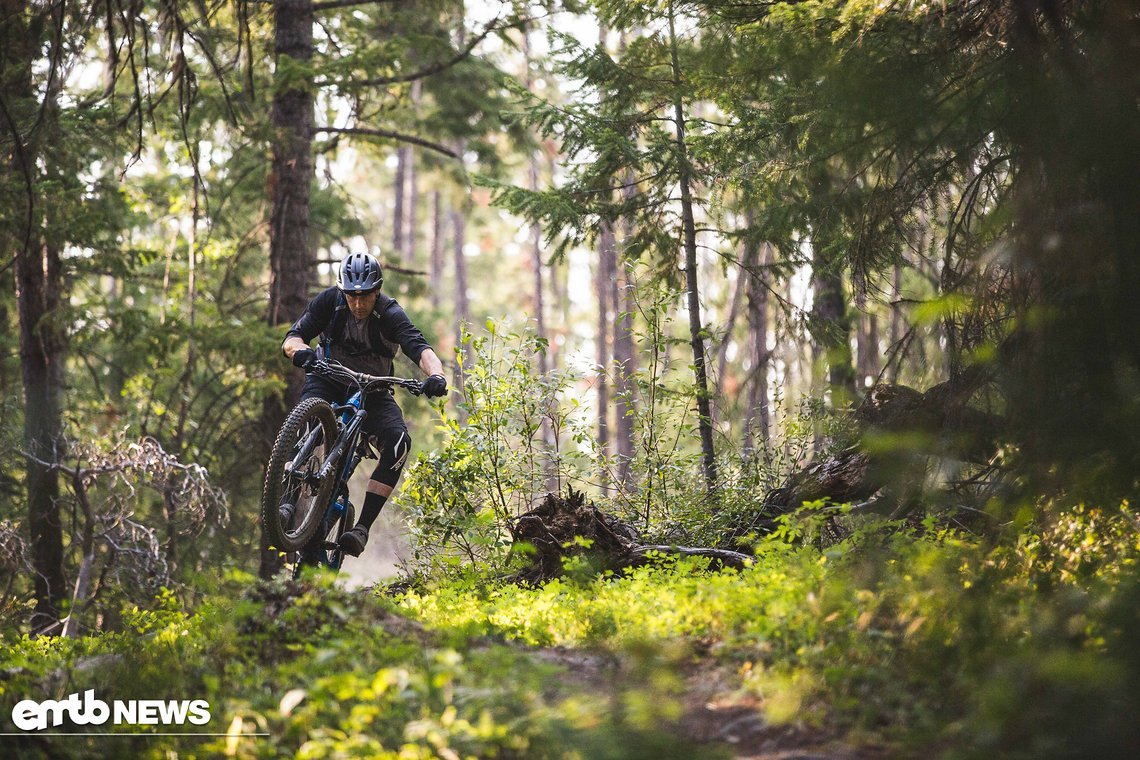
<point>911,635</point>
<point>324,673</point>
<point>920,640</point>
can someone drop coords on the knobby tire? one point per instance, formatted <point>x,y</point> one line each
<point>311,505</point>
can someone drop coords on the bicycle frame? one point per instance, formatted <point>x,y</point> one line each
<point>348,450</point>
<point>351,416</point>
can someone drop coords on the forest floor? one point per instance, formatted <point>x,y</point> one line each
<point>715,710</point>
<point>716,713</point>
<point>890,644</point>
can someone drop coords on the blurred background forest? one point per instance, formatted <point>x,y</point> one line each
<point>707,261</point>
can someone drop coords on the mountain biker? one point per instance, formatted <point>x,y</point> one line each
<point>364,329</point>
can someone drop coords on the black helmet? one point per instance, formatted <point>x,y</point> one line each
<point>359,272</point>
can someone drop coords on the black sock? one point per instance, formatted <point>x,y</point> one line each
<point>371,509</point>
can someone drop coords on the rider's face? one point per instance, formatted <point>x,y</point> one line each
<point>361,304</point>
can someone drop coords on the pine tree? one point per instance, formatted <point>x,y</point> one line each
<point>617,119</point>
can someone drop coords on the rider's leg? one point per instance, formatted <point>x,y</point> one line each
<point>394,445</point>
<point>322,387</point>
<point>394,449</point>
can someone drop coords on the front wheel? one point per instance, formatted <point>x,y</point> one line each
<point>294,500</point>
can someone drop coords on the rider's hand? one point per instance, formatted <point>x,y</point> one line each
<point>435,386</point>
<point>304,358</point>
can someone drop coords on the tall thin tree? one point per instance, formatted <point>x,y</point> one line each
<point>603,279</point>
<point>689,229</point>
<point>625,360</point>
<point>757,421</point>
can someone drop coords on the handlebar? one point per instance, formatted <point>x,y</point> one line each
<point>337,371</point>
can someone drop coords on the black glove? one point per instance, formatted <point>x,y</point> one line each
<point>435,386</point>
<point>305,358</point>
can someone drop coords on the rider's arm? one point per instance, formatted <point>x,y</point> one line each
<point>312,321</point>
<point>292,345</point>
<point>430,363</point>
<point>398,328</point>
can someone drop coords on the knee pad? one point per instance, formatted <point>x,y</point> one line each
<point>394,449</point>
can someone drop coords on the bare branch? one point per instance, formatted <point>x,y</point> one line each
<point>329,5</point>
<point>438,66</point>
<point>389,135</point>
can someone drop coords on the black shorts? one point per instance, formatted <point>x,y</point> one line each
<point>385,421</point>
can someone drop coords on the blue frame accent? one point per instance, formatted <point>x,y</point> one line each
<point>350,422</point>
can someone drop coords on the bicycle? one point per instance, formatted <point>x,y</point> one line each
<point>304,504</point>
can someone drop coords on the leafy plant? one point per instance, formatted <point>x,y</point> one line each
<point>519,436</point>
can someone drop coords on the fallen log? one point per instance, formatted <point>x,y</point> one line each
<point>564,527</point>
<point>723,557</point>
<point>898,430</point>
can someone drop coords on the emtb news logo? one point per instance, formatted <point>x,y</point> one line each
<point>30,715</point>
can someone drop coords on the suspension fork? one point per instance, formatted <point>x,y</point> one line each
<point>350,435</point>
<point>307,447</point>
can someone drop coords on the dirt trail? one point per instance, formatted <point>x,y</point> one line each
<point>715,711</point>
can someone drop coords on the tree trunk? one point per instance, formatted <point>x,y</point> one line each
<point>435,269</point>
<point>412,198</point>
<point>560,307</point>
<point>742,277</point>
<point>831,327</point>
<point>536,234</point>
<point>895,329</point>
<point>602,287</point>
<point>602,278</point>
<point>462,308</point>
<point>756,268</point>
<point>866,343</point>
<point>38,293</point>
<point>539,299</point>
<point>187,379</point>
<point>459,242</point>
<point>399,185</point>
<point>625,367</point>
<point>696,329</point>
<point>625,359</point>
<point>538,306</point>
<point>793,351</point>
<point>413,202</point>
<point>292,171</point>
<point>868,360</point>
<point>38,287</point>
<point>289,184</point>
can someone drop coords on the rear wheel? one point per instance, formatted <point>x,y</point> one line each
<point>294,500</point>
